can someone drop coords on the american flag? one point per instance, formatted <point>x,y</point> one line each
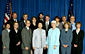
<point>8,12</point>
<point>70,13</point>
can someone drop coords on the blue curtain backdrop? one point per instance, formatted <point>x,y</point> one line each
<point>48,7</point>
<point>34,7</point>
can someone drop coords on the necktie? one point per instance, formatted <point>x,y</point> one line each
<point>71,27</point>
<point>46,26</point>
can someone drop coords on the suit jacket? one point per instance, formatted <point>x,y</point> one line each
<point>49,26</point>
<point>38,40</point>
<point>66,38</point>
<point>15,37</point>
<point>60,26</point>
<point>26,38</point>
<point>11,23</point>
<point>21,25</point>
<point>5,38</point>
<point>78,39</point>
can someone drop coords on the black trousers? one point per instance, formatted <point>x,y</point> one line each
<point>76,51</point>
<point>44,51</point>
<point>15,50</point>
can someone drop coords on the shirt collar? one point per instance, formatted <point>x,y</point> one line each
<point>62,22</point>
<point>24,21</point>
<point>8,30</point>
<point>73,23</point>
<point>16,31</point>
<point>27,28</point>
<point>41,19</point>
<point>47,22</point>
<point>14,19</point>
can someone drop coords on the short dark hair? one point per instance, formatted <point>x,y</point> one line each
<point>25,14</point>
<point>57,17</point>
<point>6,24</point>
<point>15,22</point>
<point>41,13</point>
<point>14,13</point>
<point>40,22</point>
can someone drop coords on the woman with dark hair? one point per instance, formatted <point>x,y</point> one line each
<point>15,40</point>
<point>78,36</point>
<point>33,23</point>
<point>39,39</point>
<point>6,39</point>
<point>33,26</point>
<point>58,24</point>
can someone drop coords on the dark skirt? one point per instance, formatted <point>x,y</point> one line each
<point>15,49</point>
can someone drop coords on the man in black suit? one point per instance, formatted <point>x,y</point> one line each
<point>47,26</point>
<point>40,19</point>
<point>22,23</point>
<point>14,19</point>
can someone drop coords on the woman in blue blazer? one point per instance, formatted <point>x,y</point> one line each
<point>66,39</point>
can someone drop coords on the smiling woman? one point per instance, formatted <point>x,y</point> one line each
<point>66,39</point>
<point>52,42</point>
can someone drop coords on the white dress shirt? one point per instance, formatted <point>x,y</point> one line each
<point>15,20</point>
<point>77,32</point>
<point>27,28</point>
<point>8,30</point>
<point>47,23</point>
<point>16,31</point>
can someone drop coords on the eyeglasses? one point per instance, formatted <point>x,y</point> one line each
<point>27,23</point>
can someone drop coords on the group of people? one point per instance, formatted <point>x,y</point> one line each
<point>42,36</point>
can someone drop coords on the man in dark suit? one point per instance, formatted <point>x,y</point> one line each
<point>14,19</point>
<point>26,38</point>
<point>63,19</point>
<point>40,19</point>
<point>47,26</point>
<point>22,23</point>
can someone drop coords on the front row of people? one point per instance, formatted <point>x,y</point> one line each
<point>15,40</point>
